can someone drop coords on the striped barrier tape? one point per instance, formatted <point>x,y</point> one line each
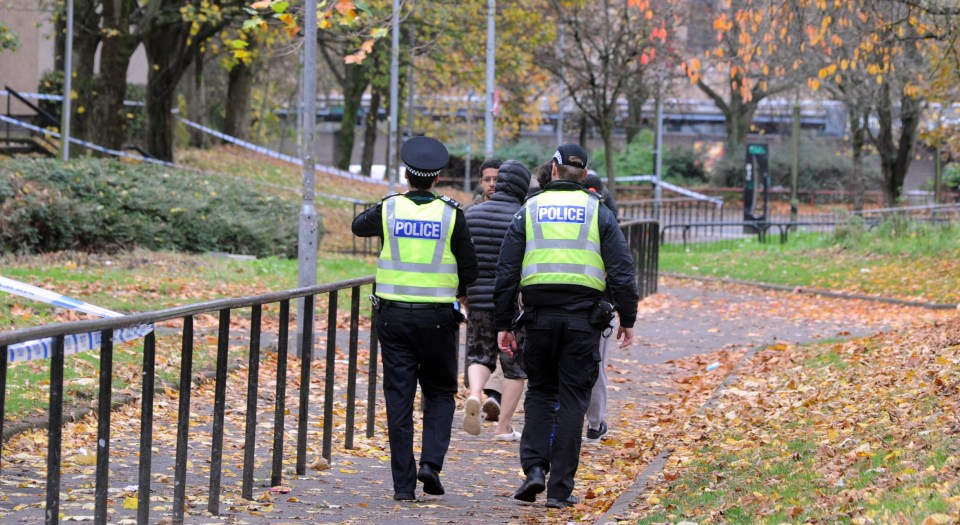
<point>277,155</point>
<point>89,145</point>
<point>74,343</point>
<point>58,98</point>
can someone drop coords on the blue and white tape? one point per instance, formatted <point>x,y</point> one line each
<point>74,343</point>
<point>86,144</point>
<point>277,155</point>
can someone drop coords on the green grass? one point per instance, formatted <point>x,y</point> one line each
<point>132,283</point>
<point>907,261</point>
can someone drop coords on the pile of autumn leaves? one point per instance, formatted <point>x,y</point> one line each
<point>862,431</point>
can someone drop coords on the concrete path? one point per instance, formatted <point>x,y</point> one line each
<point>681,329</point>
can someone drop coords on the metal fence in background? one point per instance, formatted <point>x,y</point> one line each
<point>223,309</point>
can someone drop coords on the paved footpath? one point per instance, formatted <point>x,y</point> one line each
<point>686,319</point>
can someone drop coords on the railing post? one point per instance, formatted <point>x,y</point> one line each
<point>146,429</point>
<point>3,388</point>
<point>104,411</point>
<point>306,358</point>
<point>253,382</point>
<point>219,406</point>
<point>276,475</point>
<point>372,369</point>
<point>330,377</point>
<point>55,435</point>
<point>352,370</point>
<point>183,420</point>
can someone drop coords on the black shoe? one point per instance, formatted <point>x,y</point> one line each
<point>533,485</point>
<point>594,435</point>
<point>562,503</point>
<point>404,496</point>
<point>430,479</point>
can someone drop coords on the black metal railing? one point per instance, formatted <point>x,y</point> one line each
<point>643,238</point>
<point>224,308</point>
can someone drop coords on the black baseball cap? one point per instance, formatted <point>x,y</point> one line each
<point>424,156</point>
<point>571,155</point>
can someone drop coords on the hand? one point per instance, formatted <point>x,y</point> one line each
<point>506,342</point>
<point>627,334</point>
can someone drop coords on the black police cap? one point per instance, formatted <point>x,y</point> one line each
<point>424,156</point>
<point>571,155</point>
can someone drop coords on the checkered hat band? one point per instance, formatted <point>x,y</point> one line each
<point>418,173</point>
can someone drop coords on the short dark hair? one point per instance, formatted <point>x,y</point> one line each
<point>490,163</point>
<point>571,173</point>
<point>422,183</point>
<point>545,173</point>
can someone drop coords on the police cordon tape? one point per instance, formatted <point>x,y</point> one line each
<point>276,154</point>
<point>72,344</point>
<point>86,144</point>
<point>31,127</point>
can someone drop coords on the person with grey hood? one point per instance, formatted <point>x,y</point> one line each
<point>488,222</point>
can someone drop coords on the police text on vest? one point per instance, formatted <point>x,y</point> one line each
<point>575,214</point>
<point>416,229</point>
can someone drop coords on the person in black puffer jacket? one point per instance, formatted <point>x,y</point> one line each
<point>488,224</point>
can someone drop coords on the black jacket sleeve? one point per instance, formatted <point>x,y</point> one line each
<point>621,273</point>
<point>509,266</point>
<point>461,244</point>
<point>369,223</point>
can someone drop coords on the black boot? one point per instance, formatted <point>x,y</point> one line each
<point>533,485</point>
<point>430,479</point>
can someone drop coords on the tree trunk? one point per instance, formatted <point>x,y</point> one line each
<point>239,89</point>
<point>606,134</point>
<point>858,135</point>
<point>636,96</point>
<point>370,134</point>
<point>86,38</point>
<point>109,119</point>
<point>194,91</point>
<point>355,83</point>
<point>896,155</point>
<point>168,57</point>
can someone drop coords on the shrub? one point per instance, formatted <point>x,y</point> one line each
<point>636,158</point>
<point>104,205</point>
<point>683,166</point>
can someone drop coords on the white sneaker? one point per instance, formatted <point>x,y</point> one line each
<point>471,416</point>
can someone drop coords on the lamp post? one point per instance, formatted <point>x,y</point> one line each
<point>491,60</point>
<point>394,96</point>
<point>67,84</point>
<point>307,234</point>
<point>466,170</point>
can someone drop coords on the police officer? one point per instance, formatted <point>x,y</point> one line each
<point>561,251</point>
<point>426,261</point>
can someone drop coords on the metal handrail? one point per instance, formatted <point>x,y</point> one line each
<point>224,307</point>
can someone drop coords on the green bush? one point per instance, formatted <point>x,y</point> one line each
<point>529,152</point>
<point>821,167</point>
<point>635,159</point>
<point>104,205</point>
<point>683,166</point>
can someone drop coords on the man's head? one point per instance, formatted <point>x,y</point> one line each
<point>488,177</point>
<point>569,163</point>
<point>424,158</point>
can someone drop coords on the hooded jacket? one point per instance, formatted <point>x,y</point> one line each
<point>488,222</point>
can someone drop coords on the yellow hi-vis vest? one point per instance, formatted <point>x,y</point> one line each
<point>563,240</point>
<point>416,264</point>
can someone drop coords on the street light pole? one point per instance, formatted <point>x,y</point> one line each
<point>394,174</point>
<point>307,235</point>
<point>491,60</point>
<point>466,171</point>
<point>658,165</point>
<point>67,84</point>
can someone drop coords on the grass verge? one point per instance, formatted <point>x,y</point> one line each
<point>863,431</point>
<point>919,263</point>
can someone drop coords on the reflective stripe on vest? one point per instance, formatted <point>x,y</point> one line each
<point>563,241</point>
<point>416,264</point>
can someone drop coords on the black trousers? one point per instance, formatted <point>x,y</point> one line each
<point>561,357</point>
<point>418,346</point>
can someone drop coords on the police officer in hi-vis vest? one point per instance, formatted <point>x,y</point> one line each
<point>561,251</point>
<point>426,261</point>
